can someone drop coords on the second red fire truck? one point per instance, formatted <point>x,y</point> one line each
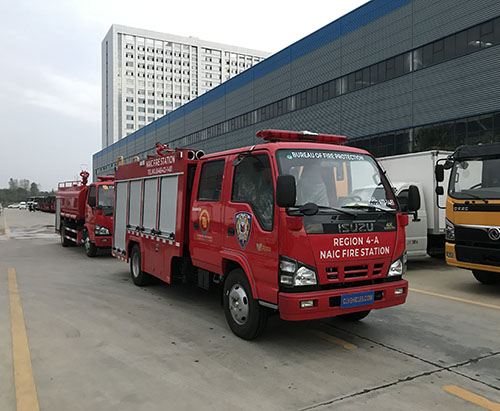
<point>84,213</point>
<point>298,225</point>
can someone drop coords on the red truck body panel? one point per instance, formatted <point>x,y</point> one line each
<point>72,195</point>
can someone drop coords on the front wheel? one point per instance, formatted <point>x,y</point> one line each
<point>486,277</point>
<point>90,247</point>
<point>139,277</point>
<point>245,316</point>
<point>354,316</point>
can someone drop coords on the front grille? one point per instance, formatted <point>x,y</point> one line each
<point>332,273</point>
<point>475,237</point>
<point>478,255</point>
<point>354,272</point>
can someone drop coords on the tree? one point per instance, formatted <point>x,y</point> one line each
<point>13,184</point>
<point>34,189</point>
<point>24,184</point>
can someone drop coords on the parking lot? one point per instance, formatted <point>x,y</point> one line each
<point>97,342</point>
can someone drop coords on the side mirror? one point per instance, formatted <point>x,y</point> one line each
<point>448,164</point>
<point>286,191</point>
<point>439,172</point>
<point>413,198</point>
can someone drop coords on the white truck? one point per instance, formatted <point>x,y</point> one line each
<point>425,234</point>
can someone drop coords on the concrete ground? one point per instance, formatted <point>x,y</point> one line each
<point>97,342</point>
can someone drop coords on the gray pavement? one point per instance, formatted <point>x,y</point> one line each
<point>99,342</point>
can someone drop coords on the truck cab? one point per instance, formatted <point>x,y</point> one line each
<point>307,229</point>
<point>473,210</point>
<point>99,204</point>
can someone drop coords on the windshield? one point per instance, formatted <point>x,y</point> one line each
<point>476,179</point>
<point>336,179</point>
<point>106,197</point>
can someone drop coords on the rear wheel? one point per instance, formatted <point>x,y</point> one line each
<point>245,316</point>
<point>354,316</point>
<point>64,241</point>
<point>90,247</point>
<point>139,277</point>
<point>486,277</point>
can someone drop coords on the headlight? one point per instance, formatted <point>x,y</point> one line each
<point>396,268</point>
<point>449,231</point>
<point>305,276</point>
<point>294,273</point>
<point>100,230</point>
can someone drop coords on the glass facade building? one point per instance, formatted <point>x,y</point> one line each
<point>394,76</point>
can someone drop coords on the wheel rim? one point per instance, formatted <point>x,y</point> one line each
<point>238,304</point>
<point>87,244</point>
<point>135,265</point>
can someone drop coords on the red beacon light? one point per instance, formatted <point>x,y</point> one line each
<point>284,135</point>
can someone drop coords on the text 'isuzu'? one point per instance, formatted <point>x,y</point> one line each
<point>299,225</point>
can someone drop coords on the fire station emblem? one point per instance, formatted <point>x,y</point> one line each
<point>204,221</point>
<point>243,224</point>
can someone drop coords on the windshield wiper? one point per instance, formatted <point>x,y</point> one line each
<point>313,209</point>
<point>337,209</point>
<point>369,208</point>
<point>474,196</point>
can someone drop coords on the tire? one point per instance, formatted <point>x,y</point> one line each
<point>139,277</point>
<point>244,315</point>
<point>486,277</point>
<point>90,247</point>
<point>64,241</point>
<point>357,316</point>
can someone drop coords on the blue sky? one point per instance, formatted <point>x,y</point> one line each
<point>50,96</point>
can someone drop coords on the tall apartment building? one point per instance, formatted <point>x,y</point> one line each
<point>147,74</point>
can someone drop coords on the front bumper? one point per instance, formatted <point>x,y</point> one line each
<point>103,241</point>
<point>325,303</point>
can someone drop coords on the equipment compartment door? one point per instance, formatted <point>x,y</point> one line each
<point>152,263</point>
<point>58,214</point>
<point>120,220</point>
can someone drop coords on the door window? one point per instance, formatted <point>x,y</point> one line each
<point>211,181</point>
<point>253,184</point>
<point>92,197</point>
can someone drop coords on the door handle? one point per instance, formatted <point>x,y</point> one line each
<point>230,231</point>
<point>196,225</point>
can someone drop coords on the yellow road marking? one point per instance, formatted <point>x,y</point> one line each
<point>463,300</point>
<point>6,226</point>
<point>334,340</point>
<point>26,396</point>
<point>474,398</point>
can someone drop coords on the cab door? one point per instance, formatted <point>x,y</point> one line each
<point>251,222</point>
<point>206,221</point>
<point>90,206</point>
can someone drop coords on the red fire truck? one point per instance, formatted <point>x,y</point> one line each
<point>84,213</point>
<point>298,225</point>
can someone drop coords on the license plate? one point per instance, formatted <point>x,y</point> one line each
<point>357,299</point>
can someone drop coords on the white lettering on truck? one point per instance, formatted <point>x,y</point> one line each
<point>355,247</point>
